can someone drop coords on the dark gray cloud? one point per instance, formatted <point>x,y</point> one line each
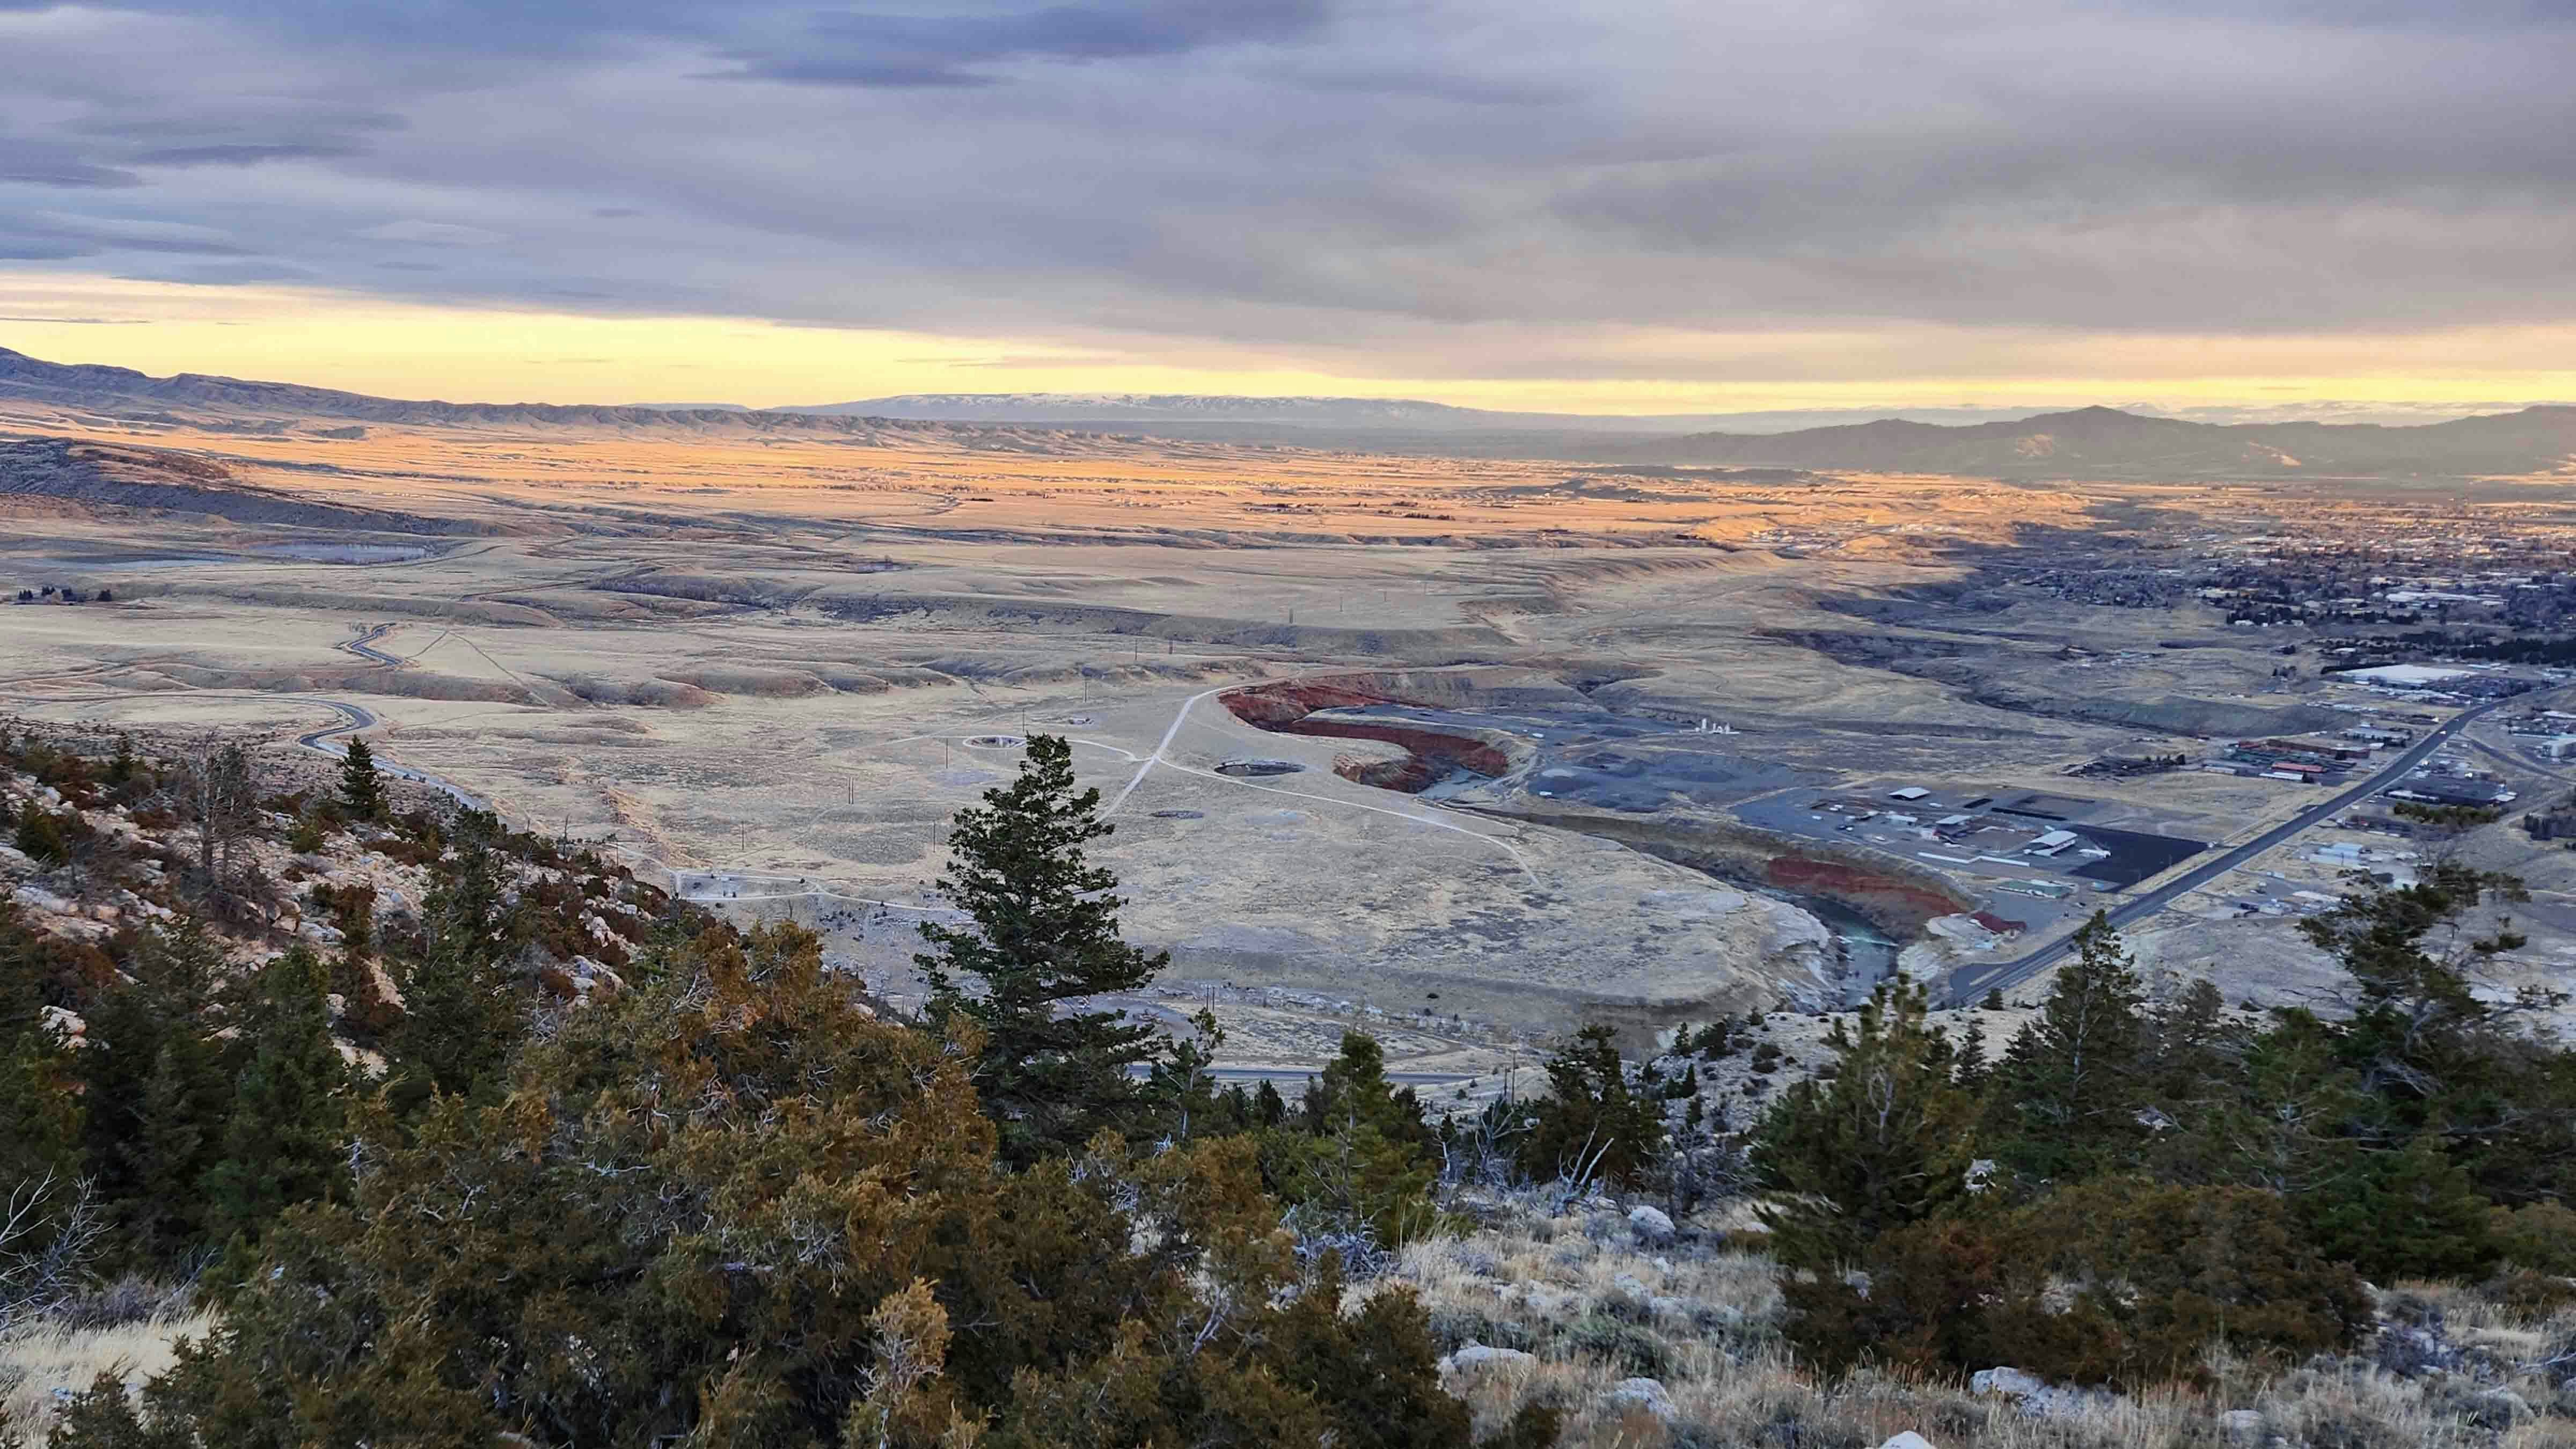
<point>867,48</point>
<point>1478,186</point>
<point>239,153</point>
<point>57,236</point>
<point>30,162</point>
<point>33,172</point>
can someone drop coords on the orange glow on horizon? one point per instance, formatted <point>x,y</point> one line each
<point>411,350</point>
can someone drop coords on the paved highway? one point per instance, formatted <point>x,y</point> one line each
<point>352,719</point>
<point>1970,983</point>
<point>364,646</point>
<point>2508,757</point>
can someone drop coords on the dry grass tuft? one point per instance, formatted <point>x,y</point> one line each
<point>1594,1307</point>
<point>36,1367</point>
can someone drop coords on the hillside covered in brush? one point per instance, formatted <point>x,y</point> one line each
<point>332,1114</point>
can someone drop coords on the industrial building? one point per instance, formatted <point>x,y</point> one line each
<point>2441,790</point>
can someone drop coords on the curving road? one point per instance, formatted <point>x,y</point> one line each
<point>1969,983</point>
<point>364,646</point>
<point>353,718</point>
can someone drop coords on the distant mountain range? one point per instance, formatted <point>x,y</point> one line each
<point>2106,442</point>
<point>121,393</point>
<point>1135,409</point>
<point>1130,410</point>
<point>2096,442</point>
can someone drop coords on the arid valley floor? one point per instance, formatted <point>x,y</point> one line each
<point>1470,750</point>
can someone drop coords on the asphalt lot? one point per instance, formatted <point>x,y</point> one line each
<point>1969,983</point>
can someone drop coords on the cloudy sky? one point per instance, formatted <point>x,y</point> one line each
<point>1617,205</point>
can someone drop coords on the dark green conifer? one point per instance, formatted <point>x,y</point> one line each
<point>1884,1142</point>
<point>1362,1156</point>
<point>1594,1125</point>
<point>40,835</point>
<point>362,790</point>
<point>1044,937</point>
<point>40,1121</point>
<point>2066,1098</point>
<point>1269,1109</point>
<point>287,1140</point>
<point>461,1016</point>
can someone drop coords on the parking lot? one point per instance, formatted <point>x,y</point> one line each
<point>2035,857</point>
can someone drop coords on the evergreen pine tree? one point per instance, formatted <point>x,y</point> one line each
<point>1184,1084</point>
<point>2433,1037</point>
<point>1360,1155</point>
<point>181,1130</point>
<point>1354,1088</point>
<point>2196,1051</point>
<point>40,1122</point>
<point>40,835</point>
<point>2066,1097</point>
<point>362,791</point>
<point>1269,1109</point>
<point>130,1028</point>
<point>2410,1213</point>
<point>124,765</point>
<point>185,1100</point>
<point>461,1019</point>
<point>22,986</point>
<point>1883,1143</point>
<point>1974,1070</point>
<point>39,1118</point>
<point>2420,1029</point>
<point>1594,1125</point>
<point>1044,937</point>
<point>286,1142</point>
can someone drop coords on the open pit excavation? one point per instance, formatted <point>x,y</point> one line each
<point>1509,744</point>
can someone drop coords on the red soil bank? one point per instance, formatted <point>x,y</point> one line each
<point>1412,775</point>
<point>1837,881</point>
<point>1288,709</point>
<point>1274,706</point>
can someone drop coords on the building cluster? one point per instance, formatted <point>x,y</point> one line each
<point>2306,761</point>
<point>50,594</point>
<point>2429,787</point>
<point>2363,563</point>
